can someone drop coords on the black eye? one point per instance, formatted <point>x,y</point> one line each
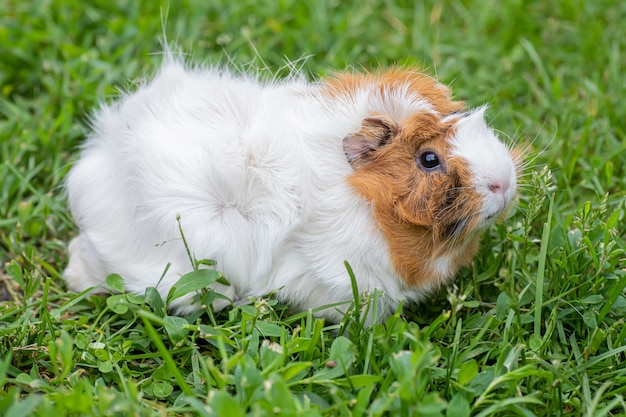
<point>429,160</point>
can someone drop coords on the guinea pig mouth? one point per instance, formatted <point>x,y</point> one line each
<point>496,209</point>
<point>489,220</point>
<point>473,220</point>
<point>491,216</point>
<point>460,229</point>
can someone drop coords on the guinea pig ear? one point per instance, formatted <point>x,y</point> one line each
<point>375,132</point>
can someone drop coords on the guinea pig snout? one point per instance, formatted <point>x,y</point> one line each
<point>498,187</point>
<point>499,194</point>
<point>494,173</point>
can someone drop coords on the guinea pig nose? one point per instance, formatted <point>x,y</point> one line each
<point>497,187</point>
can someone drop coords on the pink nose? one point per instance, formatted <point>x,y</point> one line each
<point>498,187</point>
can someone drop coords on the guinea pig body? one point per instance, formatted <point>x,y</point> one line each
<point>281,182</point>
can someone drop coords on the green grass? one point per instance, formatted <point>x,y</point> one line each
<point>534,327</point>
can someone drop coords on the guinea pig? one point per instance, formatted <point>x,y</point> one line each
<point>282,181</point>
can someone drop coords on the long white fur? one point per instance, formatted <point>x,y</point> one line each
<point>256,172</point>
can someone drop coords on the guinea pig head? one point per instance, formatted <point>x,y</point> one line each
<point>434,183</point>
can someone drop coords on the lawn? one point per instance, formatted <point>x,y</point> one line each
<point>534,327</point>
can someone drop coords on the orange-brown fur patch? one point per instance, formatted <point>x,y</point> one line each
<point>418,212</point>
<point>437,94</point>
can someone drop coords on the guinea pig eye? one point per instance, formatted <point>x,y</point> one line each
<point>429,160</point>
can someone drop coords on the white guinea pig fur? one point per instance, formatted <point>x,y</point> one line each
<point>280,182</point>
